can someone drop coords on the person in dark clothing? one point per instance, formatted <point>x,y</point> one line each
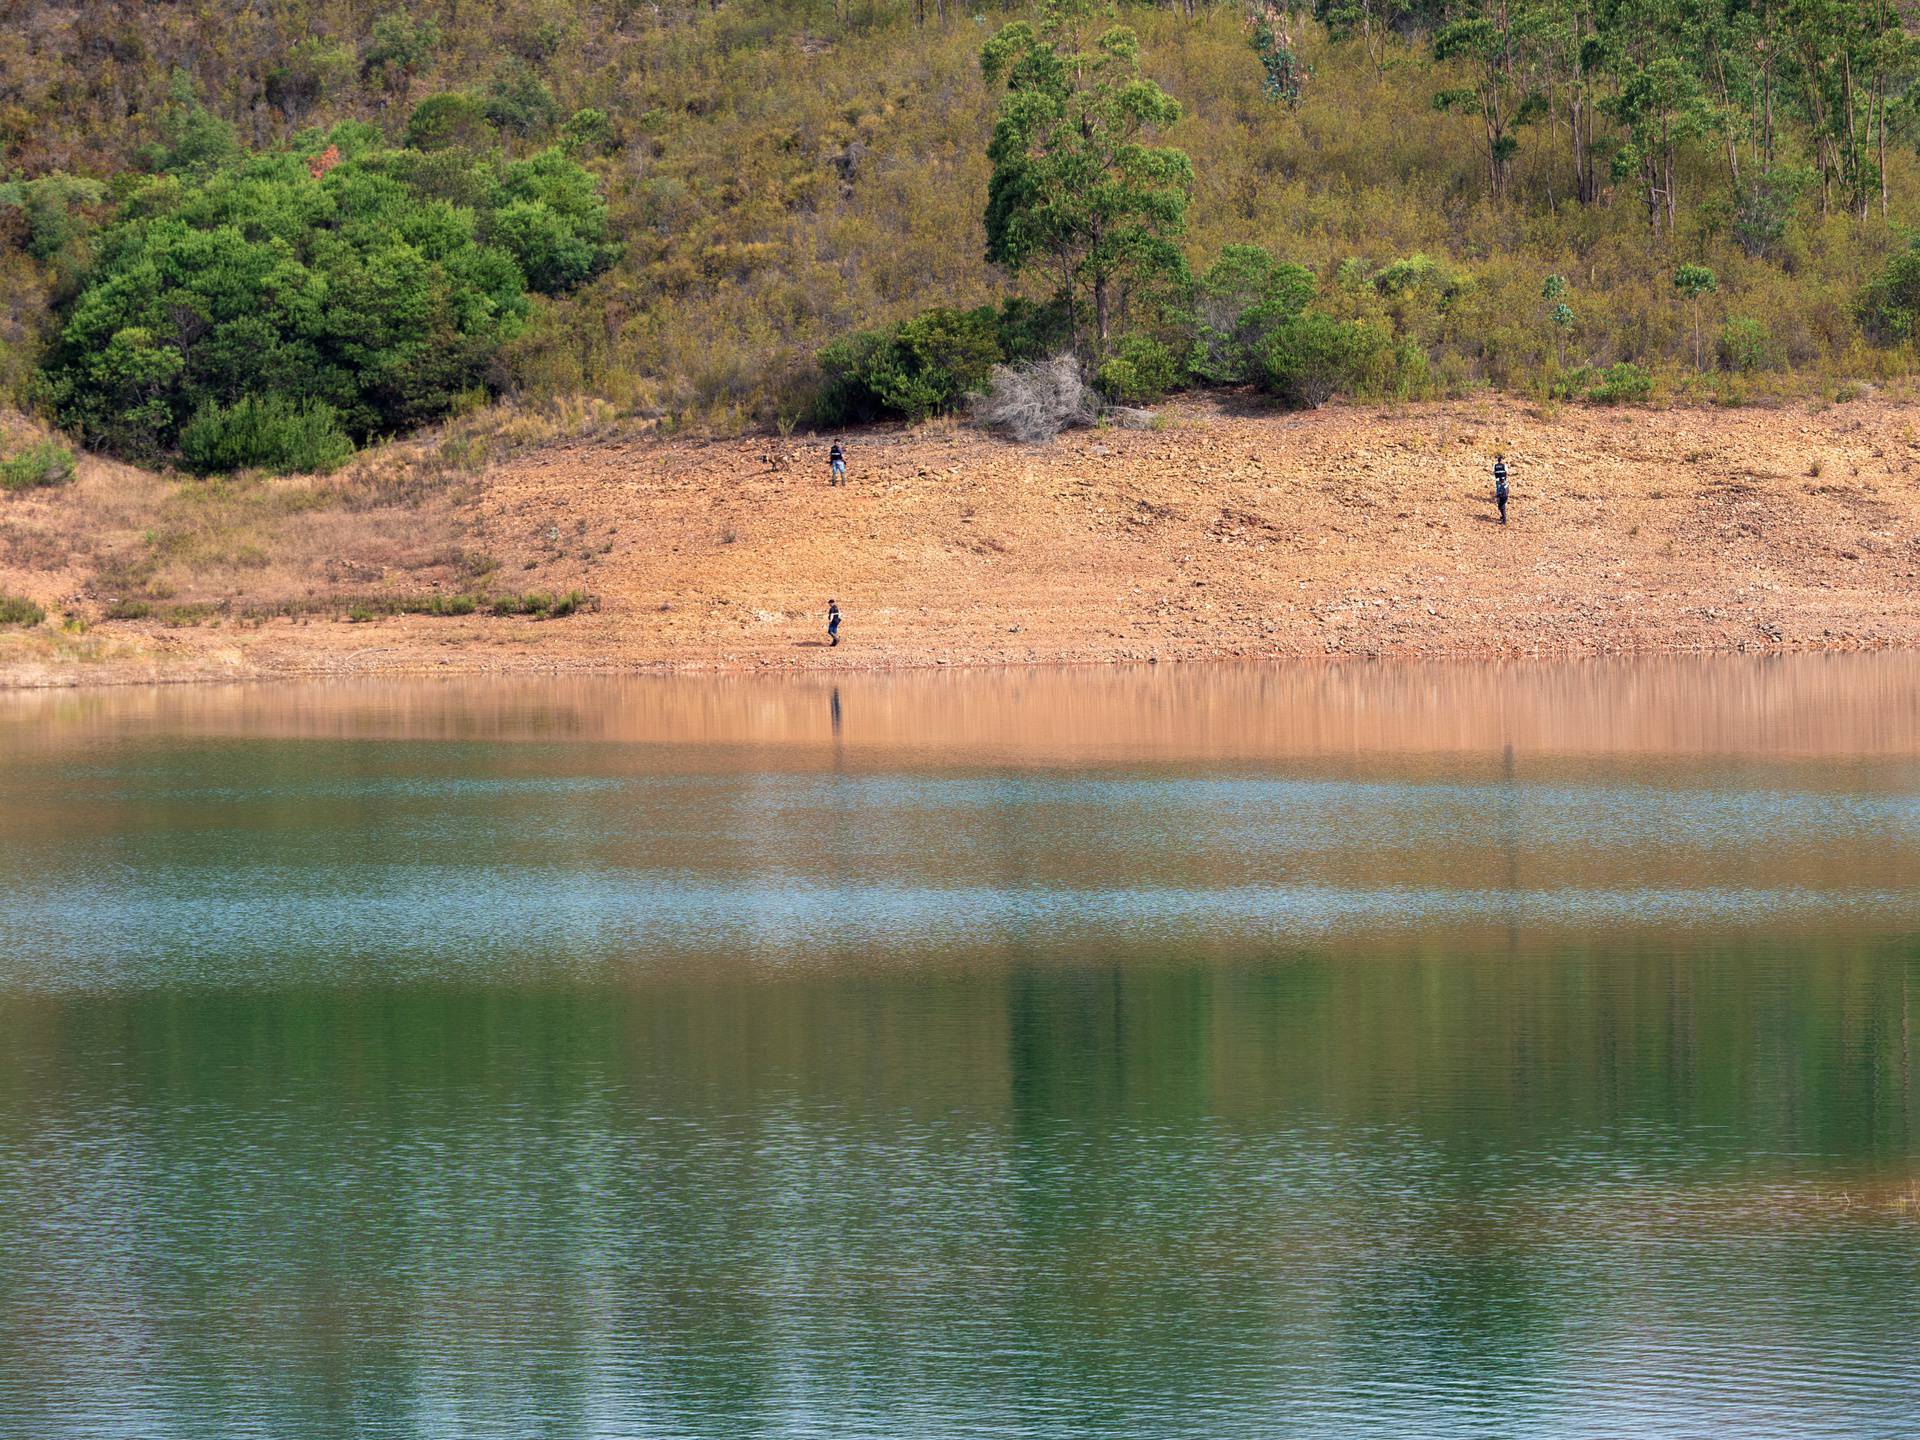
<point>833,622</point>
<point>836,465</point>
<point>1500,485</point>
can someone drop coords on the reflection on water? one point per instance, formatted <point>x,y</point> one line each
<point>1202,1053</point>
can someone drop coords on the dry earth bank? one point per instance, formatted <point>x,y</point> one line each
<point>1225,533</point>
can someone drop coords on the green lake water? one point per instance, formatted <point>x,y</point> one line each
<point>1320,1052</point>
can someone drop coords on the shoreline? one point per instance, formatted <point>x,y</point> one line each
<point>213,667</point>
<point>1343,533</point>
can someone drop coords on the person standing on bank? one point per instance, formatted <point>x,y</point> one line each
<point>1500,485</point>
<point>836,465</point>
<point>833,622</point>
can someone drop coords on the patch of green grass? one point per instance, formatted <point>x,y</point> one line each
<point>541,605</point>
<point>18,610</point>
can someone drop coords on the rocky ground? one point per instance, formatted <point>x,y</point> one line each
<point>1225,532</point>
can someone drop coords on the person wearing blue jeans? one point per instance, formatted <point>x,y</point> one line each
<point>837,465</point>
<point>833,622</point>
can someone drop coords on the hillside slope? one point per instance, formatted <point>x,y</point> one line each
<point>1345,531</point>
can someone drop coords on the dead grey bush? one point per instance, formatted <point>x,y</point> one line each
<point>1036,399</point>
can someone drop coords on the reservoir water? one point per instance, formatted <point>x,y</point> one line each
<point>1163,1052</point>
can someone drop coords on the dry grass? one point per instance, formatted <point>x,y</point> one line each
<point>391,533</point>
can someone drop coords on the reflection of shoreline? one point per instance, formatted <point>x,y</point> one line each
<point>1854,705</point>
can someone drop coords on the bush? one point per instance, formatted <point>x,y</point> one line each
<point>47,463</point>
<point>1310,357</point>
<point>1747,345</point>
<point>270,432</point>
<point>449,122</point>
<point>519,102</point>
<point>1622,384</point>
<point>18,610</point>
<point>1419,272</point>
<point>1139,371</point>
<point>924,367</point>
<point>1890,302</point>
<point>1034,400</point>
<point>1238,301</point>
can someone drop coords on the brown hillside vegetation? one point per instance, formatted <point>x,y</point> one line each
<point>1345,531</point>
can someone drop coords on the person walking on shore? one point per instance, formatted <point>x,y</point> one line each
<point>836,465</point>
<point>1500,485</point>
<point>833,622</point>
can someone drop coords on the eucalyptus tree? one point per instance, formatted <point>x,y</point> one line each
<point>1076,190</point>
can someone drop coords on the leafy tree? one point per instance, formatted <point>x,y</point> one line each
<point>1074,188</point>
<point>1696,282</point>
<point>1285,72</point>
<point>548,214</point>
<point>1663,107</point>
<point>193,141</point>
<point>1763,203</point>
<point>923,367</point>
<point>589,132</point>
<point>55,211</point>
<point>316,278</point>
<point>1141,369</point>
<point>272,432</point>
<point>1553,294</point>
<point>1487,44</point>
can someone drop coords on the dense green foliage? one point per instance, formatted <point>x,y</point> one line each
<point>929,364</point>
<point>779,175</point>
<point>269,310</point>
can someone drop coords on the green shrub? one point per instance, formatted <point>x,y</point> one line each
<point>1238,300</point>
<point>271,432</point>
<point>924,367</point>
<point>453,121</point>
<point>1140,371</point>
<point>1309,358</point>
<point>18,610</point>
<point>1747,345</point>
<point>1890,302</point>
<point>1419,271</point>
<point>1622,384</point>
<point>519,102</point>
<point>47,463</point>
